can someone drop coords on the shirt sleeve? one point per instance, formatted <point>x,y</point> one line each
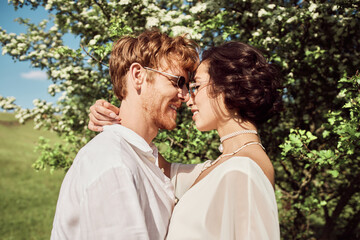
<point>247,212</point>
<point>111,208</point>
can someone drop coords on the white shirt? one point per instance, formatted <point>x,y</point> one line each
<point>234,201</point>
<point>114,190</point>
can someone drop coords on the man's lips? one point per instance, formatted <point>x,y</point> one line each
<point>173,106</point>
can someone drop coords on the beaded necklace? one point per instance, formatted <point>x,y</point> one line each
<point>233,134</point>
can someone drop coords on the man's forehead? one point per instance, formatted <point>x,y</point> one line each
<point>173,66</point>
<point>170,63</point>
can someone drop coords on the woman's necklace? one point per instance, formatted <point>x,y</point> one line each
<point>230,154</point>
<point>233,134</point>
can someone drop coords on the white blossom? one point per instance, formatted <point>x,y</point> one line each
<point>256,34</point>
<point>249,14</point>
<point>13,41</point>
<point>164,28</point>
<point>262,12</point>
<point>21,45</point>
<point>53,28</point>
<point>267,40</point>
<point>152,22</point>
<point>44,61</point>
<point>152,8</point>
<point>92,42</point>
<point>42,46</point>
<point>177,30</point>
<point>315,15</point>
<point>312,7</point>
<point>48,6</point>
<point>292,19</point>
<point>15,52</point>
<point>271,6</point>
<point>198,8</point>
<point>124,2</point>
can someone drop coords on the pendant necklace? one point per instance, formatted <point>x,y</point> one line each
<point>230,154</point>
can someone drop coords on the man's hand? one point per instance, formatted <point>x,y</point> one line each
<point>102,113</point>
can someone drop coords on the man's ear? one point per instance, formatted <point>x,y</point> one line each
<point>137,75</point>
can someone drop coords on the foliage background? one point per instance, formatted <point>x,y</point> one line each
<point>316,44</point>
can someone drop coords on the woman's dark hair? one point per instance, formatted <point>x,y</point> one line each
<point>250,84</point>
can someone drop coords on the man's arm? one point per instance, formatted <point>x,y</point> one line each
<point>111,208</point>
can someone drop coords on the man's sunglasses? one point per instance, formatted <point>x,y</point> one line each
<point>180,83</point>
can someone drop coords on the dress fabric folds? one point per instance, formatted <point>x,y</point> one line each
<point>234,201</point>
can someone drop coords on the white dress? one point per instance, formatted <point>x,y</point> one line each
<point>234,201</point>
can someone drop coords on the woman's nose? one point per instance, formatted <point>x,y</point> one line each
<point>184,94</point>
<point>190,102</point>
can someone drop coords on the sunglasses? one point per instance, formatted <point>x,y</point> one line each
<point>180,83</point>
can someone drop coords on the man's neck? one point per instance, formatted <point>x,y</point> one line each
<point>136,119</point>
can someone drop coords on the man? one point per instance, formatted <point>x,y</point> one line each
<point>114,189</point>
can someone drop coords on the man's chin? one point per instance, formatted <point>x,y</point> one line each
<point>168,125</point>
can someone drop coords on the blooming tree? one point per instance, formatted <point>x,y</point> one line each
<point>313,143</point>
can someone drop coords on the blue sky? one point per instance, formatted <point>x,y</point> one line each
<point>19,79</point>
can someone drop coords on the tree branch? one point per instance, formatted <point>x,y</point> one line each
<point>94,58</point>
<point>103,10</point>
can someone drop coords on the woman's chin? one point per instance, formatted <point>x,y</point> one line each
<point>202,128</point>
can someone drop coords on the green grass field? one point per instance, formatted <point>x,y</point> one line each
<point>27,198</point>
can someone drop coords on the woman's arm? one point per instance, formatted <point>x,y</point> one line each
<point>102,113</point>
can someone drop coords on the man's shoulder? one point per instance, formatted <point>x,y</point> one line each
<point>106,150</point>
<point>106,141</point>
<point>109,135</point>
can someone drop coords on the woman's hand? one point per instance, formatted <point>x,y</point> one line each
<point>103,113</point>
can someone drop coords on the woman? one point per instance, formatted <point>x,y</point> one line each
<point>232,197</point>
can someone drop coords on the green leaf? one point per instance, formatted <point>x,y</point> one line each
<point>325,133</point>
<point>310,136</point>
<point>334,173</point>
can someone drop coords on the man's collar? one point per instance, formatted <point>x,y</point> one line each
<point>133,138</point>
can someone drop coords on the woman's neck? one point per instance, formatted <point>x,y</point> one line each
<point>232,143</point>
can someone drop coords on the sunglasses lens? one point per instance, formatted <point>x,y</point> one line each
<point>182,82</point>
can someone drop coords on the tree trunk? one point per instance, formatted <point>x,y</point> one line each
<point>344,199</point>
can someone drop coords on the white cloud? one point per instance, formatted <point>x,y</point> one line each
<point>34,75</point>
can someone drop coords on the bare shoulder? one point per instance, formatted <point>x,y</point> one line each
<point>264,162</point>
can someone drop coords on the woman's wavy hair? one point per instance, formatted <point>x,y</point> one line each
<point>250,84</point>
